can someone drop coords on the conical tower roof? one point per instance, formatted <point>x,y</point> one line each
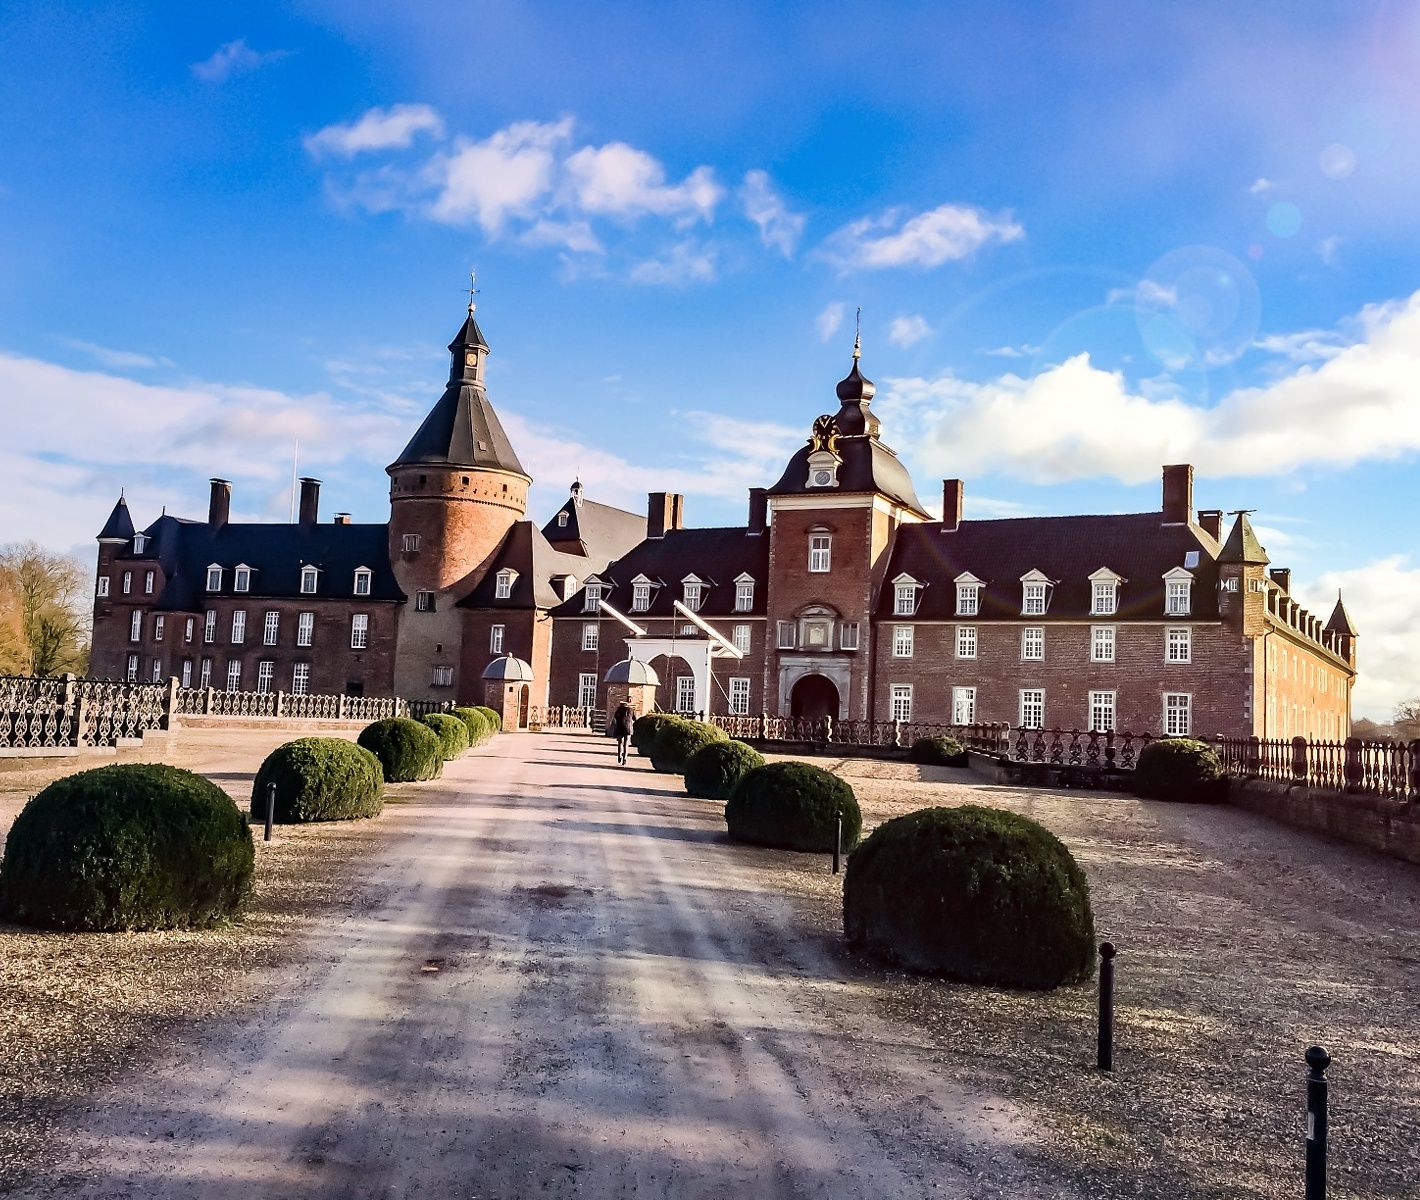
<point>1242,545</point>
<point>119,526</point>
<point>1340,620</point>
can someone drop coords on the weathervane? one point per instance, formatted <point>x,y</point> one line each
<point>472,290</point>
<point>858,333</point>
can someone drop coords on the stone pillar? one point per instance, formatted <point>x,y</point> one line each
<point>502,698</point>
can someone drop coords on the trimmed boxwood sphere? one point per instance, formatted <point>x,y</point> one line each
<point>320,779</point>
<point>793,805</point>
<point>131,846</point>
<point>938,752</point>
<point>713,770</point>
<point>408,750</point>
<point>644,730</point>
<point>453,733</point>
<point>475,723</point>
<point>974,894</point>
<point>495,721</point>
<point>677,742</point>
<point>1180,769</point>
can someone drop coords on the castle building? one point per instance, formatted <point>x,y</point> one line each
<point>842,595</point>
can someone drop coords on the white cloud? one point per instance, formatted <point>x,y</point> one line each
<point>234,58</point>
<point>393,128</point>
<point>948,233</point>
<point>1260,186</point>
<point>1024,350</point>
<point>620,180</point>
<point>1304,346</point>
<point>909,330</point>
<point>575,236</point>
<point>1328,248</point>
<point>1383,598</point>
<point>1147,293</point>
<point>1076,421</point>
<point>504,175</point>
<point>686,263</point>
<point>118,359</point>
<point>779,227</point>
<point>830,320</point>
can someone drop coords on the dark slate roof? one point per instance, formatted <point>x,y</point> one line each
<point>527,552</point>
<point>1242,545</point>
<point>276,554</point>
<point>598,532</point>
<point>1068,550</point>
<point>469,334</point>
<point>868,466</point>
<point>119,526</point>
<point>716,556</point>
<point>462,430</point>
<point>1340,620</point>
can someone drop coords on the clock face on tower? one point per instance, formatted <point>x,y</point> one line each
<point>470,358</point>
<point>822,478</point>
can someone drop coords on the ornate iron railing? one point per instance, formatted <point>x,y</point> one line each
<point>213,702</point>
<point>567,716</point>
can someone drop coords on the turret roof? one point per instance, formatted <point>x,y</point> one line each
<point>1242,545</point>
<point>1340,620</point>
<point>119,526</point>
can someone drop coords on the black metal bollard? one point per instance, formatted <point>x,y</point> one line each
<point>270,808</point>
<point>1317,1062</point>
<point>837,842</point>
<point>1105,1051</point>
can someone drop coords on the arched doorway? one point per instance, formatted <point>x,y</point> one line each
<point>814,696</point>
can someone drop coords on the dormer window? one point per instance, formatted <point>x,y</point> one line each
<point>569,587</point>
<point>592,598</point>
<point>562,520</point>
<point>214,578</point>
<point>694,592</point>
<point>905,591</point>
<point>968,595</point>
<point>1035,594</point>
<point>744,593</point>
<point>310,577</point>
<point>1178,593</point>
<point>1104,592</point>
<point>640,594</point>
<point>820,551</point>
<point>503,585</point>
<point>241,578</point>
<point>140,543</point>
<point>363,577</point>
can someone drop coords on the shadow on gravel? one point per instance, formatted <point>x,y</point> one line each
<point>632,829</point>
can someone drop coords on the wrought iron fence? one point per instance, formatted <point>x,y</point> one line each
<point>567,716</point>
<point>213,702</point>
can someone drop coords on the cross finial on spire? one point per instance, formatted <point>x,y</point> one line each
<point>472,290</point>
<point>858,334</point>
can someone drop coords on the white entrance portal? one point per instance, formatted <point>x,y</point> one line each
<point>697,651</point>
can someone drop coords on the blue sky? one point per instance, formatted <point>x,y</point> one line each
<point>1086,240</point>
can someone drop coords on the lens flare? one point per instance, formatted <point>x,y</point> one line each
<point>1284,219</point>
<point>1337,161</point>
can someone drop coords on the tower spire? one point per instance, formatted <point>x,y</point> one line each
<point>472,290</point>
<point>857,334</point>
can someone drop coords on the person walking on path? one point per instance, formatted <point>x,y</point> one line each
<point>622,722</point>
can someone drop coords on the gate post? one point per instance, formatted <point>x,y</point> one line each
<point>1299,758</point>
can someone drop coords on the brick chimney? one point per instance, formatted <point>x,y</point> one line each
<point>665,511</point>
<point>1210,520</point>
<point>342,519</point>
<point>1282,577</point>
<point>1178,494</point>
<point>758,511</point>
<point>952,490</point>
<point>310,501</point>
<point>219,507</point>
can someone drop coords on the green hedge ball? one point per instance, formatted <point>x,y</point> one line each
<point>319,779</point>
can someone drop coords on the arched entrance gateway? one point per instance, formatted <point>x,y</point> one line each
<point>814,696</point>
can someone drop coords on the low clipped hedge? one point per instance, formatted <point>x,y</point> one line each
<point>476,724</point>
<point>1180,769</point>
<point>713,771</point>
<point>319,779</point>
<point>644,730</point>
<point>677,742</point>
<point>973,894</point>
<point>452,732</point>
<point>130,846</point>
<point>938,752</point>
<point>794,806</point>
<point>408,750</point>
<point>494,719</point>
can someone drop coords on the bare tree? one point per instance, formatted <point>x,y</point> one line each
<point>1371,731</point>
<point>48,601</point>
<point>1407,720</point>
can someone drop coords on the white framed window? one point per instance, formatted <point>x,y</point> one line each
<point>820,553</point>
<point>963,706</point>
<point>148,579</point>
<point>270,628</point>
<point>904,597</point>
<point>503,586</point>
<point>189,628</point>
<point>1101,643</point>
<point>409,543</point>
<point>157,670</point>
<point>740,638</point>
<point>160,627</point>
<point>562,520</point>
<point>214,578</point>
<point>265,675</point>
<point>591,635</point>
<point>363,578</point>
<point>359,630</point>
<point>1178,597</point>
<point>1032,711</point>
<point>310,577</point>
<point>495,639</point>
<point>848,635</point>
<point>1033,643</point>
<point>135,625</point>
<point>305,628</point>
<point>685,694</point>
<point>423,601</point>
<point>187,672</point>
<point>131,674</point>
<point>127,583</point>
<point>300,678</point>
<point>209,626</point>
<point>785,635</point>
<point>966,641</point>
<point>968,599</point>
<point>443,677</point>
<point>1178,644</point>
<point>1104,597</point>
<point>1033,598</point>
<point>640,597</point>
<point>739,696</point>
<point>688,631</point>
<point>241,578</point>
<point>744,594</point>
<point>1178,714</point>
<point>592,599</point>
<point>587,690</point>
<point>903,640</point>
<point>140,543</point>
<point>102,586</point>
<point>234,675</point>
<point>901,701</point>
<point>205,678</point>
<point>1102,712</point>
<point>694,595</point>
<point>239,627</point>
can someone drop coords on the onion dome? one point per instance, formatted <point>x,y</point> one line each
<point>632,671</point>
<point>508,670</point>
